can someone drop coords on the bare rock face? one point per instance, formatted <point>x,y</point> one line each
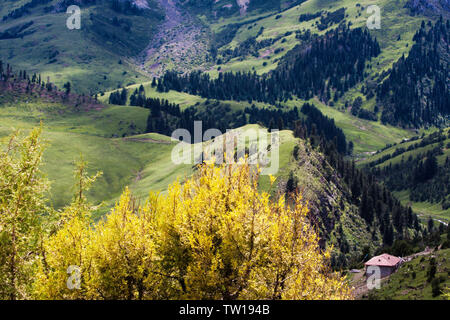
<point>429,7</point>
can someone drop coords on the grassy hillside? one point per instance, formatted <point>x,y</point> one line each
<point>102,54</point>
<point>183,99</point>
<point>282,26</point>
<point>411,281</point>
<point>107,66</point>
<point>258,42</point>
<point>405,144</point>
<point>326,193</point>
<point>367,136</point>
<point>132,161</point>
<point>112,140</point>
<point>417,147</point>
<point>425,209</point>
<point>94,58</point>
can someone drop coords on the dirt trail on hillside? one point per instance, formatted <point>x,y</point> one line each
<point>181,43</point>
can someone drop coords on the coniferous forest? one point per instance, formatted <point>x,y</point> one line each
<point>198,150</point>
<point>342,52</point>
<point>417,89</point>
<point>421,174</point>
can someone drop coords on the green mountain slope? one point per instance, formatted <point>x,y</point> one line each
<point>69,135</point>
<point>122,45</point>
<point>143,162</point>
<point>413,281</point>
<point>396,20</point>
<point>367,136</point>
<point>329,199</point>
<point>94,58</point>
<point>418,171</point>
<point>108,36</point>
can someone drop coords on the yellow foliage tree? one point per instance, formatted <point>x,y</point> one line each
<point>65,252</point>
<point>214,237</point>
<point>222,239</point>
<point>446,293</point>
<point>22,204</point>
<point>124,255</point>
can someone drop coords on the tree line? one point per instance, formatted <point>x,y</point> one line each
<point>382,212</point>
<point>421,175</point>
<point>33,86</point>
<point>417,91</point>
<point>24,9</point>
<point>166,117</point>
<point>326,66</point>
<point>436,137</point>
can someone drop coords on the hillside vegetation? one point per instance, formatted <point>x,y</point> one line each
<point>418,171</point>
<point>252,246</point>
<point>110,138</point>
<point>363,119</point>
<point>423,278</point>
<point>95,136</point>
<point>95,57</point>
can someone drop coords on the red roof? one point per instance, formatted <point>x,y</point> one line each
<point>385,260</point>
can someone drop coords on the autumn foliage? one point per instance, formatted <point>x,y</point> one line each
<point>212,237</point>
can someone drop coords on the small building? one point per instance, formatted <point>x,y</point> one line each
<point>388,264</point>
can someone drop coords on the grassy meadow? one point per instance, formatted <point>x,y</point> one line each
<point>111,140</point>
<point>395,22</point>
<point>141,162</point>
<point>97,57</point>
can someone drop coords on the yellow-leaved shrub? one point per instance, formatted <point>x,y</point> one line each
<point>22,207</point>
<point>212,237</point>
<point>67,245</point>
